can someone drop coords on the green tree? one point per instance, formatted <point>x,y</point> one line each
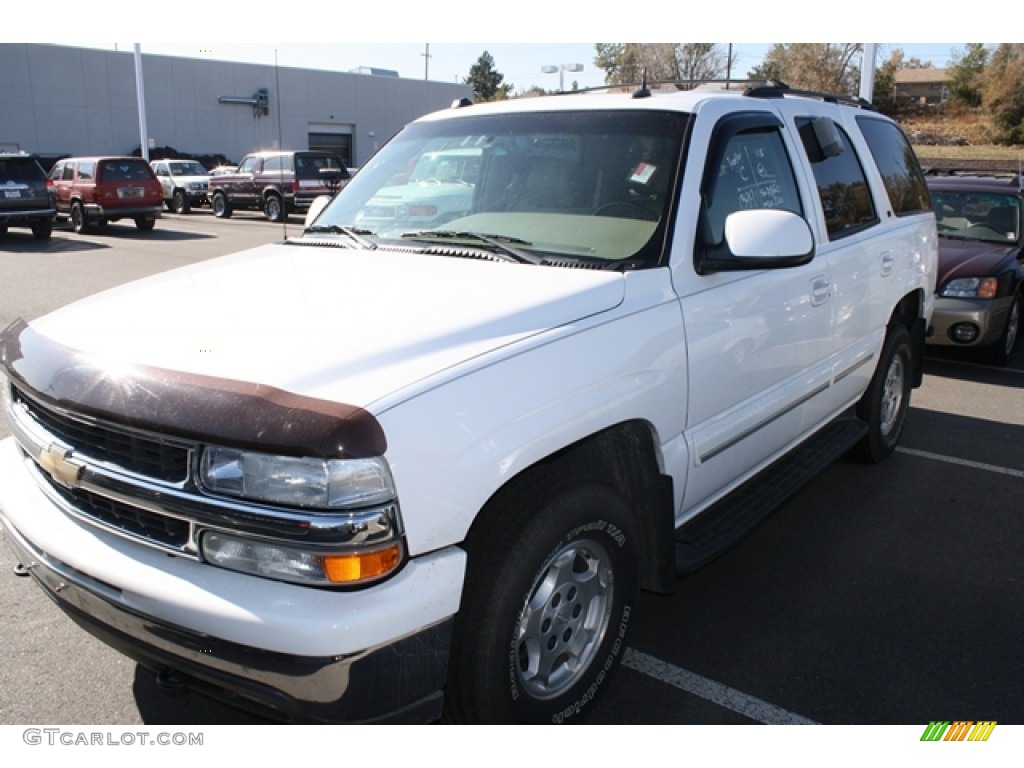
<point>967,70</point>
<point>654,62</point>
<point>825,67</point>
<point>1002,91</point>
<point>488,83</point>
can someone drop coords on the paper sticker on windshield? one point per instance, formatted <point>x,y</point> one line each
<point>642,173</point>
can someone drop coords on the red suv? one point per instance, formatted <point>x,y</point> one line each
<point>97,190</point>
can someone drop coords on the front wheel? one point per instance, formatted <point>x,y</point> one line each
<point>220,205</point>
<point>885,404</point>
<point>999,353</point>
<point>551,586</point>
<point>180,202</point>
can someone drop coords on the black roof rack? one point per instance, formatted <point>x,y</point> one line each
<point>762,89</point>
<point>776,89</point>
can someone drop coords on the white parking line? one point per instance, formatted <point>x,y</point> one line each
<point>962,462</point>
<point>722,695</point>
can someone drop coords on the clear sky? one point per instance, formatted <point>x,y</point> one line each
<point>520,63</point>
<point>525,34</point>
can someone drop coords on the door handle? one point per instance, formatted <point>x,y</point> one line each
<point>821,290</point>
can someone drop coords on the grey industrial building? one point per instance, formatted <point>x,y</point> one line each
<point>63,100</point>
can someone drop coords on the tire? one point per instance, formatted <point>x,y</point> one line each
<point>79,222</point>
<point>180,202</point>
<point>551,583</point>
<point>221,206</point>
<point>42,230</point>
<point>999,353</point>
<point>886,403</point>
<point>273,207</point>
<point>145,223</point>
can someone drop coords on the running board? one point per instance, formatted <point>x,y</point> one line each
<point>727,522</point>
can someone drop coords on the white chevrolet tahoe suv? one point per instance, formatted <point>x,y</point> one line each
<point>408,474</point>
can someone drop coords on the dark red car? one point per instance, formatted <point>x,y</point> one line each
<point>980,287</point>
<point>93,191</point>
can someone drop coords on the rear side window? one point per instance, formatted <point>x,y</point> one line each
<point>901,173</point>
<point>842,186</point>
<point>277,164</point>
<point>309,166</point>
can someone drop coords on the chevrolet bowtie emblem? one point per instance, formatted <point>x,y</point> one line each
<point>56,461</point>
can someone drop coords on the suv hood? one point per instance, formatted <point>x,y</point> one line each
<point>970,258</point>
<point>350,326</point>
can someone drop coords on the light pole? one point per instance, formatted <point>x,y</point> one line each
<point>561,69</point>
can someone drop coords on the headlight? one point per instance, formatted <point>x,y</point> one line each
<point>297,482</point>
<point>971,288</point>
<point>284,562</point>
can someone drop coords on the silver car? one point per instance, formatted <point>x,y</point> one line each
<point>185,183</point>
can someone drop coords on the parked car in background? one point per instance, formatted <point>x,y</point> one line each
<point>25,200</point>
<point>94,191</point>
<point>981,263</point>
<point>277,183</point>
<point>185,183</point>
<point>438,189</point>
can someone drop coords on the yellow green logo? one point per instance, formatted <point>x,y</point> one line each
<point>958,730</point>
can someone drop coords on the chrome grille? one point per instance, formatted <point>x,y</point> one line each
<point>131,451</point>
<point>127,519</point>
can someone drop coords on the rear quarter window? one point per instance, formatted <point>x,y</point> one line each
<point>901,173</point>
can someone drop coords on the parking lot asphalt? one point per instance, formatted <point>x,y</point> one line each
<point>886,594</point>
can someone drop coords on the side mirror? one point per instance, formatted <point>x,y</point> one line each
<point>764,238</point>
<point>316,208</point>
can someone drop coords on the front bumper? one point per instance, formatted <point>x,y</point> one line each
<point>987,316</point>
<point>288,652</point>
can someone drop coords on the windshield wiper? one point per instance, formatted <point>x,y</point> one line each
<point>353,232</point>
<point>502,244</point>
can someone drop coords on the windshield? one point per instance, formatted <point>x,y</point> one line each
<point>190,168</point>
<point>583,185</point>
<point>986,216</point>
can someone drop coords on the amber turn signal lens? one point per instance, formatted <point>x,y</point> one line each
<point>351,569</point>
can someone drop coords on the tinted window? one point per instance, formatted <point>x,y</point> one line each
<point>125,170</point>
<point>19,169</point>
<point>901,173</point>
<point>842,185</point>
<point>309,166</point>
<point>754,172</point>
